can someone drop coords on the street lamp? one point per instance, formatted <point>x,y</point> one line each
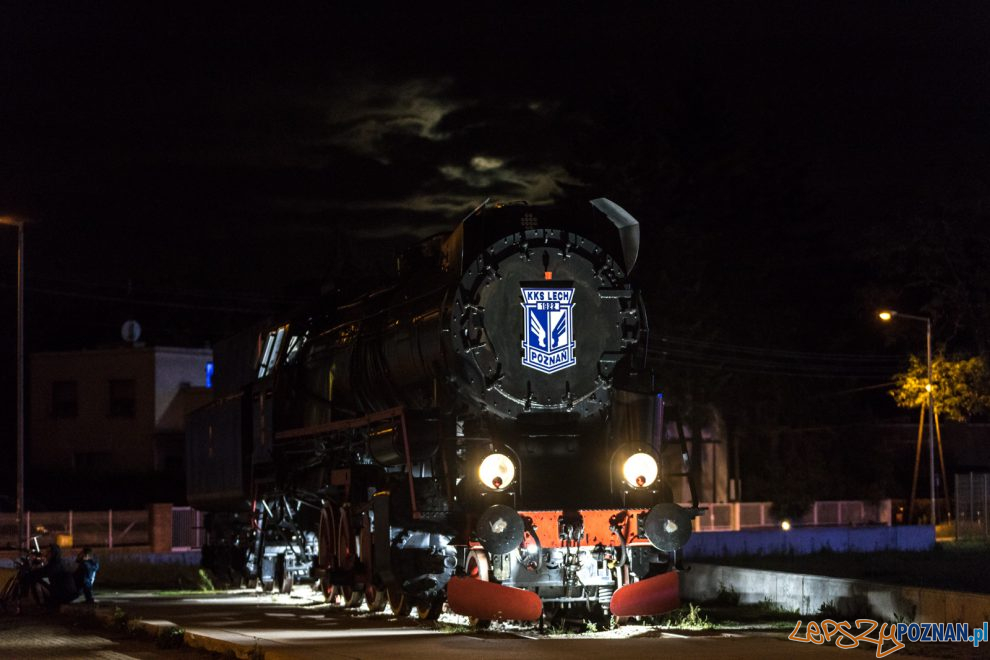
<point>16,222</point>
<point>887,315</point>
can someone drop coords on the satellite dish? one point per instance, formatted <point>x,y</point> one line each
<point>130,331</point>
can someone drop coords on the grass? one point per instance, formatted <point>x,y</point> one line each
<point>958,566</point>
<point>688,617</point>
<point>170,638</point>
<point>771,608</point>
<point>724,612</point>
<point>448,628</point>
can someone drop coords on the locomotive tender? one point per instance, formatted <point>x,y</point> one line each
<point>454,437</point>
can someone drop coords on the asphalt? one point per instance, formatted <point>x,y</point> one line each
<point>259,626</point>
<point>252,625</point>
<point>36,634</point>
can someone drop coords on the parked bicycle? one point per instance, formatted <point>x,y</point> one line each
<point>26,580</point>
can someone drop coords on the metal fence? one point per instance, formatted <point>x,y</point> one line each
<point>109,529</point>
<point>972,498</point>
<point>733,516</point>
<point>101,529</point>
<point>187,528</point>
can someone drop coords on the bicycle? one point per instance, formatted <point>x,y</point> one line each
<point>24,582</point>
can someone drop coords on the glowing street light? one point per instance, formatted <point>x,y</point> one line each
<point>887,315</point>
<point>17,222</point>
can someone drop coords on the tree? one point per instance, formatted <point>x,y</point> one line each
<point>960,388</point>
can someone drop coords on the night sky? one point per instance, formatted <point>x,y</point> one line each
<point>795,166</point>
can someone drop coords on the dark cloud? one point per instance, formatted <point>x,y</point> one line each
<point>199,147</point>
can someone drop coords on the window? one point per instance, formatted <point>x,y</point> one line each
<point>269,352</point>
<point>122,398</point>
<point>175,466</point>
<point>92,461</point>
<point>295,343</point>
<point>65,399</point>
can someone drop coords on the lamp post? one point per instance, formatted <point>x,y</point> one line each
<point>887,315</point>
<point>16,222</point>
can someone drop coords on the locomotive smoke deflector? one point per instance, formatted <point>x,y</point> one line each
<point>628,228</point>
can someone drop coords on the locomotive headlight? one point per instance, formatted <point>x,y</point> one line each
<point>640,470</point>
<point>497,472</point>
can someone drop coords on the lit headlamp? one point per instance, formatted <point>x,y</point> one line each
<point>640,470</point>
<point>497,472</point>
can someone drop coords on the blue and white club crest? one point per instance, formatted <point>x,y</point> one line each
<point>548,319</point>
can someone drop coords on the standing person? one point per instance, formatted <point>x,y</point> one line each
<point>86,573</point>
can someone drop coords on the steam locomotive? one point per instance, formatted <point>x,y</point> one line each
<point>455,437</point>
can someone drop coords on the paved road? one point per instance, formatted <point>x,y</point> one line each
<point>294,628</point>
<point>297,628</point>
<point>35,635</point>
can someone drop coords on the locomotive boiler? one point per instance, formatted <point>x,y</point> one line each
<point>456,437</point>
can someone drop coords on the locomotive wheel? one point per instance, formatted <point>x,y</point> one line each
<point>365,564</point>
<point>344,548</point>
<point>345,552</point>
<point>429,609</point>
<point>399,602</point>
<point>325,552</point>
<point>287,582</point>
<point>326,588</point>
<point>351,597</point>
<point>267,586</point>
<point>375,598</point>
<point>283,578</point>
<point>477,568</point>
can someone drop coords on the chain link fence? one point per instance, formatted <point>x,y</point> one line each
<point>972,499</point>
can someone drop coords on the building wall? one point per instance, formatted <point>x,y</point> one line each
<point>92,435</point>
<point>177,370</point>
<point>96,440</point>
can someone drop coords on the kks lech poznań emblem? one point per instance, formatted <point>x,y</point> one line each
<point>548,319</point>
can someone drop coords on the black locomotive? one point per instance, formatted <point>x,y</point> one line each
<point>457,436</point>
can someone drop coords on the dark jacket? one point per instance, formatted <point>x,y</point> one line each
<point>60,579</point>
<point>86,570</point>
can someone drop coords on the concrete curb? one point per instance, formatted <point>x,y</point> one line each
<point>215,642</point>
